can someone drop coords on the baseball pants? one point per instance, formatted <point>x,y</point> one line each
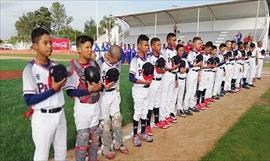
<point>259,68</point>
<point>252,71</point>
<point>191,87</point>
<point>218,80</point>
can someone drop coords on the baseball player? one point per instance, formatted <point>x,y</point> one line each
<point>46,100</point>
<point>111,118</point>
<point>212,74</point>
<point>140,91</point>
<point>260,56</point>
<point>246,65</point>
<point>168,82</point>
<point>252,63</point>
<point>240,65</point>
<point>195,60</point>
<point>229,67</point>
<point>204,78</point>
<point>87,100</point>
<point>220,73</point>
<point>180,90</point>
<point>155,88</point>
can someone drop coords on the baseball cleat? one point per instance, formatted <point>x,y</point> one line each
<point>187,112</point>
<point>147,137</point>
<point>109,154</point>
<point>137,140</point>
<point>171,120</point>
<point>161,125</point>
<point>194,109</point>
<point>148,130</point>
<point>181,113</point>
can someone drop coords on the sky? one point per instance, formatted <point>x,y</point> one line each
<point>10,11</point>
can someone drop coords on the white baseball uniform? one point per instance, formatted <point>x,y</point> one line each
<point>110,99</point>
<point>191,81</point>
<point>229,72</point>
<point>180,91</point>
<point>219,75</point>
<point>86,115</point>
<point>47,127</point>
<point>140,93</point>
<point>168,85</point>
<point>260,62</point>
<point>155,87</point>
<point>252,63</point>
<point>246,65</point>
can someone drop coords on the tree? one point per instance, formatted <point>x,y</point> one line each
<point>90,28</point>
<point>60,18</point>
<point>27,22</point>
<point>1,41</point>
<point>106,24</point>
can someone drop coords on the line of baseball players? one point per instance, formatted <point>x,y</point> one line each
<point>170,91</point>
<point>96,105</point>
<point>187,82</point>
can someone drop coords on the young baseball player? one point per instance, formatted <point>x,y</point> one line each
<point>180,90</point>
<point>46,100</point>
<point>229,67</point>
<point>220,73</point>
<point>239,65</point>
<point>252,63</point>
<point>246,65</point>
<point>155,87</point>
<point>204,78</point>
<point>87,101</point>
<point>169,82</point>
<point>140,91</point>
<point>111,118</point>
<point>260,56</point>
<point>195,60</point>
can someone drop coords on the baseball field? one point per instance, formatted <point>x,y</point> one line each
<point>234,128</point>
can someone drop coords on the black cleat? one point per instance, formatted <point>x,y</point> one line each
<point>251,85</point>
<point>194,109</point>
<point>181,113</point>
<point>187,112</point>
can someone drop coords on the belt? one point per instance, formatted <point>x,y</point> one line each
<point>146,86</point>
<point>181,78</point>
<point>195,70</point>
<point>232,63</point>
<point>260,58</point>
<point>239,63</point>
<point>252,56</point>
<point>247,62</point>
<point>157,79</point>
<point>214,71</point>
<point>221,67</point>
<point>109,90</point>
<point>172,72</point>
<point>53,110</point>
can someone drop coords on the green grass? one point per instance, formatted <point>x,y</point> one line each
<point>266,64</point>
<point>249,139</point>
<point>15,135</point>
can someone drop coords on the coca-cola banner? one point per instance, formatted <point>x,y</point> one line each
<point>60,43</point>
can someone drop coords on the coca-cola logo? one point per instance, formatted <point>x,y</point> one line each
<point>60,44</point>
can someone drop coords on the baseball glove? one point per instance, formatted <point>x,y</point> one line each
<point>58,72</point>
<point>112,75</point>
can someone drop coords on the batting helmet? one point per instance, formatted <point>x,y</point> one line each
<point>263,52</point>
<point>92,74</point>
<point>182,64</point>
<point>176,59</point>
<point>199,58</point>
<point>112,75</point>
<point>160,63</point>
<point>58,72</point>
<point>148,71</point>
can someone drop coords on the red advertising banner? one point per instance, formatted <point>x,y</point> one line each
<point>60,43</point>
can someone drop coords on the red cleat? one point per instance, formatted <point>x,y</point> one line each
<point>148,130</point>
<point>161,125</point>
<point>170,119</point>
<point>199,107</point>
